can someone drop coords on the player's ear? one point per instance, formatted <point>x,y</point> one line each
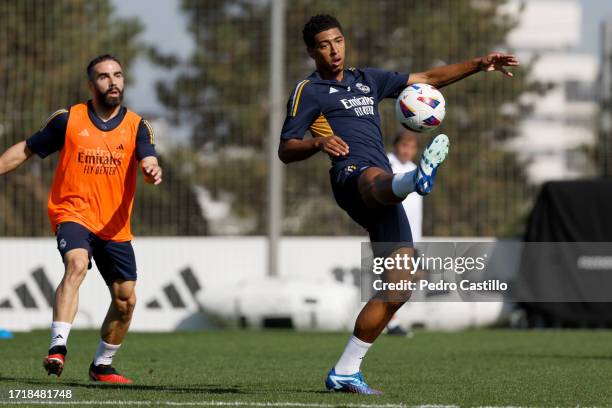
<point>310,52</point>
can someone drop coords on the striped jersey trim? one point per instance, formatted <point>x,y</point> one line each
<point>296,96</point>
<point>53,115</point>
<point>151,133</point>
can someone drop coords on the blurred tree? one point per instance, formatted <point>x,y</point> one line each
<point>223,89</point>
<point>44,48</point>
<point>170,208</point>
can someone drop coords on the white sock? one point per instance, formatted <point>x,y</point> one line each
<point>403,184</point>
<point>105,353</point>
<point>59,333</point>
<point>350,360</point>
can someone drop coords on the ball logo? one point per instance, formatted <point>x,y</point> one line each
<point>363,88</point>
<point>406,109</point>
<point>429,101</point>
<point>432,121</point>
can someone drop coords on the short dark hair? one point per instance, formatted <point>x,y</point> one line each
<point>316,24</point>
<point>96,61</point>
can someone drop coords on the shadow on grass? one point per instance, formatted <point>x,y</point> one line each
<point>305,391</point>
<point>191,389</point>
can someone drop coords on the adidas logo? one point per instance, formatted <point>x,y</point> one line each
<point>350,276</point>
<point>25,294</point>
<point>174,295</point>
<point>180,294</point>
<point>84,133</point>
<point>120,147</point>
<point>59,336</point>
<point>332,90</point>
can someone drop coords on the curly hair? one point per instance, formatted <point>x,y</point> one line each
<point>316,24</point>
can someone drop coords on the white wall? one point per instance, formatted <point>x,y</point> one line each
<point>317,287</point>
<point>220,265</point>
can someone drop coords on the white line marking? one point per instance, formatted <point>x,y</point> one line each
<point>218,404</point>
<point>231,404</point>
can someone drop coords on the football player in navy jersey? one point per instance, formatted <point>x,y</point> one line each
<point>339,107</point>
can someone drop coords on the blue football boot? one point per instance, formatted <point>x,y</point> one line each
<point>353,383</point>
<point>432,157</point>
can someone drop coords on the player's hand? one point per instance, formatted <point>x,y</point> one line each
<point>333,145</point>
<point>496,61</point>
<point>152,173</point>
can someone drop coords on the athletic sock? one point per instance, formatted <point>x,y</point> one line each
<point>403,184</point>
<point>350,360</point>
<point>59,334</point>
<point>105,353</point>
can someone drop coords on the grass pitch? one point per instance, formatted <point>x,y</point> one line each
<point>283,368</point>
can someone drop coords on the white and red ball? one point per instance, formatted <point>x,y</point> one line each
<point>420,108</point>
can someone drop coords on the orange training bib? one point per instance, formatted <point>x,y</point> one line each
<point>95,179</point>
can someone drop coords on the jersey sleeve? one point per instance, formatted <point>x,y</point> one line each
<point>302,110</point>
<point>145,141</point>
<point>389,84</point>
<point>51,136</point>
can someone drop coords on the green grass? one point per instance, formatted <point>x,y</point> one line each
<point>473,368</point>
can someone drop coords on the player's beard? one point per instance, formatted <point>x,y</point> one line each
<point>110,102</point>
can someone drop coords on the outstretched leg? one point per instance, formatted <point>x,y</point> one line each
<point>378,187</point>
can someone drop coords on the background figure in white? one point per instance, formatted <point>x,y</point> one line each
<point>405,149</point>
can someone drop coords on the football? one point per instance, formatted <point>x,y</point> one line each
<point>420,108</point>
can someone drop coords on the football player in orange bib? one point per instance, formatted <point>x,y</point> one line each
<point>101,144</point>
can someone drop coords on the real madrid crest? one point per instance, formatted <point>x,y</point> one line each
<point>363,88</point>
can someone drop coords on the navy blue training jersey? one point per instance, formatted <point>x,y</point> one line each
<point>348,109</point>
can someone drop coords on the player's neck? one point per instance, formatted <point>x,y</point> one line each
<point>329,75</point>
<point>105,113</point>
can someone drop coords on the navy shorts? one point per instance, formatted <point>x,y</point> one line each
<point>115,260</point>
<point>387,223</point>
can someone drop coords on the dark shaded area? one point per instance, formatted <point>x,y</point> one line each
<point>567,212</point>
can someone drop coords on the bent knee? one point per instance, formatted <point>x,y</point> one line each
<point>77,264</point>
<point>125,304</point>
<point>371,186</point>
<point>394,306</point>
<point>76,268</point>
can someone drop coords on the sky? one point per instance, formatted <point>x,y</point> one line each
<point>593,13</point>
<point>165,27</point>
